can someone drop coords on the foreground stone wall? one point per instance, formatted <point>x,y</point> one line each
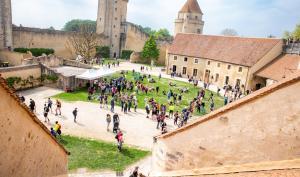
<point>43,38</point>
<point>27,149</point>
<point>261,127</point>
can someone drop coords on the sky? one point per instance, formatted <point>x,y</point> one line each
<point>250,18</point>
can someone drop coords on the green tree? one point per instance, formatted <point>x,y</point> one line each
<point>162,33</point>
<point>296,33</point>
<point>287,35</point>
<point>102,51</point>
<point>75,25</point>
<point>150,51</point>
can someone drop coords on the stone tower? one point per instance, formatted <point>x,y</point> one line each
<point>189,19</point>
<point>111,22</point>
<point>5,24</point>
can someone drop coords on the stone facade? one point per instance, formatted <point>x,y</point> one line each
<point>5,24</point>
<point>27,149</point>
<point>258,128</point>
<point>111,22</point>
<point>189,19</point>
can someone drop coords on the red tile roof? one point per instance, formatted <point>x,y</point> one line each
<point>191,6</point>
<point>11,92</point>
<point>235,50</point>
<point>281,67</point>
<point>294,78</point>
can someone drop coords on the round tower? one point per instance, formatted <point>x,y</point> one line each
<point>5,24</point>
<point>189,18</point>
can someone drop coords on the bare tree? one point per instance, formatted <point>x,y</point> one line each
<point>229,32</point>
<point>84,42</point>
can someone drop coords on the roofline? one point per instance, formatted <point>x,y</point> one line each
<point>258,94</point>
<point>229,36</point>
<point>32,115</point>
<point>212,60</point>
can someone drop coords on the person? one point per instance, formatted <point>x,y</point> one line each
<point>135,105</point>
<point>157,89</point>
<point>212,106</point>
<point>75,111</point>
<point>147,110</point>
<point>58,108</point>
<point>46,111</point>
<point>32,105</point>
<point>22,99</point>
<point>53,133</point>
<point>163,125</point>
<point>119,138</point>
<point>50,103</point>
<point>159,77</point>
<point>57,128</point>
<point>108,120</point>
<point>171,110</point>
<point>176,117</point>
<point>116,122</point>
<point>112,105</point>
<point>135,172</point>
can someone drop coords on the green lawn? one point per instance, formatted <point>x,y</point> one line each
<point>81,94</point>
<point>99,155</point>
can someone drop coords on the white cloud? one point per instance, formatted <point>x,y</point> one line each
<point>249,18</point>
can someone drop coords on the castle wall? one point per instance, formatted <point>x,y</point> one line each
<point>263,128</point>
<point>14,58</point>
<point>26,149</point>
<point>43,38</point>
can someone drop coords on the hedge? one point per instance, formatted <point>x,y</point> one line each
<point>126,54</point>
<point>103,51</point>
<point>35,51</point>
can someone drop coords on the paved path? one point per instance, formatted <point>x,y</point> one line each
<point>91,122</point>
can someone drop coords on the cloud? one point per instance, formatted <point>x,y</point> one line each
<point>250,18</point>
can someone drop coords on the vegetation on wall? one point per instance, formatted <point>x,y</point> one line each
<point>52,78</point>
<point>75,24</point>
<point>11,81</point>
<point>126,54</point>
<point>35,51</point>
<point>150,51</point>
<point>103,51</point>
<point>30,81</point>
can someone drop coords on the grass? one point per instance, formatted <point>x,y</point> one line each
<point>81,94</point>
<point>99,155</point>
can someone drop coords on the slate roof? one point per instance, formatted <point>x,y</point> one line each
<point>191,6</point>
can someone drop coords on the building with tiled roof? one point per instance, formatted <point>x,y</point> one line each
<point>189,18</point>
<point>254,134</point>
<point>27,146</point>
<point>222,60</point>
<point>280,68</point>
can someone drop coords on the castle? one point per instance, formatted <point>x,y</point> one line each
<point>112,28</point>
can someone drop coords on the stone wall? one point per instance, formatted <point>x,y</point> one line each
<point>27,148</point>
<point>43,38</point>
<point>260,127</point>
<point>21,71</point>
<point>14,58</point>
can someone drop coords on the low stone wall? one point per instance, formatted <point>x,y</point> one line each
<point>50,60</point>
<point>76,64</point>
<point>21,71</point>
<point>14,58</point>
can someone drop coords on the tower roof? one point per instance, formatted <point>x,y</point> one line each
<point>191,6</point>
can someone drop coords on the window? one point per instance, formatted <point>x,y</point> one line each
<point>116,18</point>
<point>208,62</point>
<point>240,69</point>
<point>185,59</point>
<point>114,26</point>
<point>196,17</point>
<point>116,9</point>
<point>229,67</point>
<point>196,60</point>
<point>175,57</point>
<point>238,83</point>
<point>219,65</point>
<point>217,78</point>
<point>116,35</point>
<point>184,70</point>
<point>199,31</point>
<point>195,72</point>
<point>226,80</point>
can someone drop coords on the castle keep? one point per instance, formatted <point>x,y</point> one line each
<point>5,24</point>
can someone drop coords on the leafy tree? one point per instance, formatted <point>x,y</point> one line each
<point>102,51</point>
<point>75,25</point>
<point>287,35</point>
<point>150,51</point>
<point>229,32</point>
<point>162,34</point>
<point>296,33</point>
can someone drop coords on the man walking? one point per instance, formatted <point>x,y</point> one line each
<point>112,105</point>
<point>75,111</point>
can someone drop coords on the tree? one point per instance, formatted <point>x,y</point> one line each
<point>162,34</point>
<point>229,32</point>
<point>296,33</point>
<point>74,25</point>
<point>51,28</point>
<point>84,42</point>
<point>150,50</point>
<point>103,51</point>
<point>287,35</point>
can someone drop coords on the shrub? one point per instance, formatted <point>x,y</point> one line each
<point>12,80</point>
<point>126,54</point>
<point>103,51</point>
<point>52,78</point>
<point>35,51</point>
